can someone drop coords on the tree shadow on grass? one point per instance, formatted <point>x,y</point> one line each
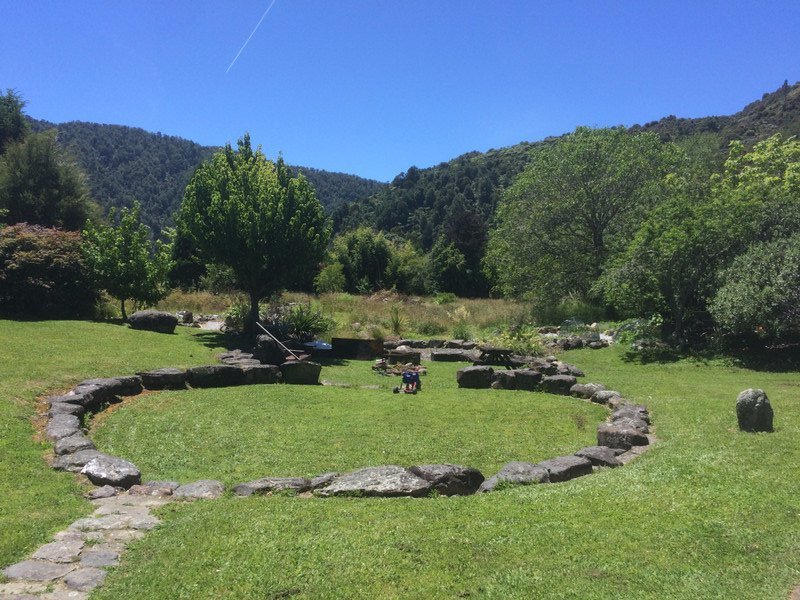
<point>218,339</point>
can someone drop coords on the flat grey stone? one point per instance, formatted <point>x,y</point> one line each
<point>386,481</point>
<point>75,462</point>
<point>450,480</point>
<point>564,468</point>
<point>64,551</point>
<point>601,456</point>
<point>64,408</point>
<point>116,521</point>
<point>154,488</point>
<point>99,558</point>
<point>61,426</point>
<point>632,411</point>
<point>204,489</point>
<point>73,443</point>
<point>85,579</point>
<point>164,379</point>
<point>112,470</point>
<point>108,387</point>
<point>322,480</point>
<point>106,491</point>
<point>585,390</point>
<point>37,570</point>
<point>604,396</point>
<point>631,423</point>
<point>267,485</point>
<point>68,398</point>
<point>515,473</point>
<point>173,485</point>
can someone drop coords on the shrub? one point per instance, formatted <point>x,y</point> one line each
<point>305,322</point>
<point>330,279</point>
<point>396,320</point>
<point>43,273</point>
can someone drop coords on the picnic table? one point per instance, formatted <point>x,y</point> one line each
<point>492,355</point>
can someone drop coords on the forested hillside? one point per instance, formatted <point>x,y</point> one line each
<point>124,164</point>
<point>420,203</point>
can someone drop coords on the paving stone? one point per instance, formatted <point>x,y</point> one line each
<point>112,470</point>
<point>204,489</point>
<point>37,570</point>
<point>105,491</point>
<point>62,551</point>
<point>116,521</point>
<point>85,579</point>
<point>99,558</point>
<point>113,536</point>
<point>62,592</point>
<point>22,589</point>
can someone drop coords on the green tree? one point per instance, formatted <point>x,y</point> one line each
<point>364,255</point>
<point>579,202</point>
<point>13,126</point>
<point>40,184</point>
<point>125,262</point>
<point>448,268</point>
<point>245,212</point>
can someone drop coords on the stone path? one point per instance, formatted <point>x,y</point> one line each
<point>75,562</point>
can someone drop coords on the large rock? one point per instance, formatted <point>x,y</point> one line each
<point>753,411</point>
<point>72,444</point>
<point>301,372</point>
<point>254,374</point>
<point>450,480</point>
<point>632,411</point>
<point>563,368</point>
<point>209,376</point>
<point>605,396</point>
<point>61,426</point>
<point>475,377</point>
<point>601,456</point>
<point>564,468</point>
<point>386,481</point>
<point>505,380</point>
<point>153,320</point>
<point>203,489</point>
<point>516,473</point>
<point>268,351</point>
<point>112,470</point>
<point>585,390</point>
<point>167,378</point>
<point>557,384</point>
<point>105,389</point>
<point>615,436</point>
<point>450,356</point>
<point>64,408</point>
<point>76,461</point>
<point>631,423</point>
<point>527,379</point>
<point>272,484</point>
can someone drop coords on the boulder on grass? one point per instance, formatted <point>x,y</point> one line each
<point>164,379</point>
<point>527,379</point>
<point>112,470</point>
<point>564,468</point>
<point>387,481</point>
<point>72,444</point>
<point>585,390</point>
<point>505,380</point>
<point>254,374</point>
<point>76,461</point>
<point>268,351</point>
<point>753,411</point>
<point>516,473</point>
<point>602,456</point>
<point>153,320</point>
<point>301,372</point>
<point>605,396</point>
<point>61,426</point>
<point>557,384</point>
<point>615,436</point>
<point>475,377</point>
<point>203,489</point>
<point>209,376</point>
<point>268,485</point>
<point>450,480</point>
<point>105,389</point>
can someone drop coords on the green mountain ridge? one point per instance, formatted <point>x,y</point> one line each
<point>124,164</point>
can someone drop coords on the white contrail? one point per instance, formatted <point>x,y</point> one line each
<point>269,8</point>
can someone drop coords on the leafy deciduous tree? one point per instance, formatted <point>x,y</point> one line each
<point>245,212</point>
<point>13,126</point>
<point>125,262</point>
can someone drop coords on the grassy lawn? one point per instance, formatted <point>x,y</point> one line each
<point>39,357</point>
<point>707,513</point>
<point>238,434</point>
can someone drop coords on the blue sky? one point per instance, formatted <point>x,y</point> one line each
<point>373,87</point>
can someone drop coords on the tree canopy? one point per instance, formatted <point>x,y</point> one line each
<point>254,216</point>
<point>13,126</point>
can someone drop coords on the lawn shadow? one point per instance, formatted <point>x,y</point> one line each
<point>218,339</point>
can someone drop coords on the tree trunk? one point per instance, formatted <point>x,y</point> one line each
<point>253,318</point>
<point>122,307</point>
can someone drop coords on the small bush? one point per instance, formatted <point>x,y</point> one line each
<point>330,279</point>
<point>444,298</point>
<point>430,328</point>
<point>43,274</point>
<point>396,320</point>
<point>305,322</point>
